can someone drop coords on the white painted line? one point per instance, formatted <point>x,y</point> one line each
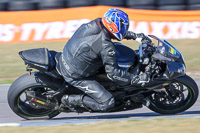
<point>4,85</point>
<point>9,124</point>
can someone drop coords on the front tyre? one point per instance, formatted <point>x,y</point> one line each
<point>179,96</point>
<point>18,96</point>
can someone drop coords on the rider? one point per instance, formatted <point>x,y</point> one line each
<point>87,51</point>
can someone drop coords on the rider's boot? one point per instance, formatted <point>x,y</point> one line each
<point>72,101</point>
<point>78,102</point>
<point>141,79</point>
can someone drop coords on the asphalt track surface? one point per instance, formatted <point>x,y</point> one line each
<point>8,118</point>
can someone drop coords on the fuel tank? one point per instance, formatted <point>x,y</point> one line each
<point>126,57</point>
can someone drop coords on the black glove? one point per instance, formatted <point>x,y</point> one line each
<point>142,79</point>
<point>145,39</point>
<point>130,35</point>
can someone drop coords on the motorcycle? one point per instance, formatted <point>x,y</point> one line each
<point>169,90</point>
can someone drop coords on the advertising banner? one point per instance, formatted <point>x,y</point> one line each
<point>60,24</point>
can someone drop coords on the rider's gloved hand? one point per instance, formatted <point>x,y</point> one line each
<point>130,35</point>
<point>141,79</point>
<point>142,39</point>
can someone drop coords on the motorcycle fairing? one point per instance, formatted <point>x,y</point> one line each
<point>167,53</point>
<point>174,69</point>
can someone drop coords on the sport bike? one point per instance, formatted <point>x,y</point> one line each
<point>168,89</point>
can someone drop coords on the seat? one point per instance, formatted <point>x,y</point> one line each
<point>52,56</point>
<point>57,57</point>
<point>39,56</point>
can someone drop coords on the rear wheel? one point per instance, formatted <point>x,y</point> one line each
<point>33,107</point>
<point>21,98</point>
<point>179,96</point>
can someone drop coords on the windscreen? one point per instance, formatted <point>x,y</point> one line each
<point>166,48</point>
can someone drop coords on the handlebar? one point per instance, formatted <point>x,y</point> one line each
<point>140,54</point>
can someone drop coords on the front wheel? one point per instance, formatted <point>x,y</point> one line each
<point>177,97</point>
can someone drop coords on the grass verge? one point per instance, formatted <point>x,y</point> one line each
<point>187,125</point>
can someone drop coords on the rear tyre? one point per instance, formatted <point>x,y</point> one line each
<point>180,95</point>
<point>17,97</point>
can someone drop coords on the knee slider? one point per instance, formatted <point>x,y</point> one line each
<point>108,104</point>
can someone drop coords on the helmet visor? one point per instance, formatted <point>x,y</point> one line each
<point>124,29</point>
<point>123,24</point>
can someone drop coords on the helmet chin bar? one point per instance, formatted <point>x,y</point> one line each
<point>119,38</point>
<point>111,29</point>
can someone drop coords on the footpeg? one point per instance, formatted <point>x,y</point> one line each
<point>146,102</point>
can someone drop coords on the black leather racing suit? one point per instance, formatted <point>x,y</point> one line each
<point>89,49</point>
